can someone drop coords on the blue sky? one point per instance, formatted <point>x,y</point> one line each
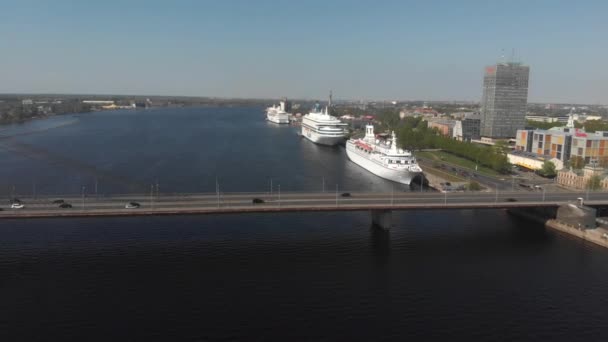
<point>430,50</point>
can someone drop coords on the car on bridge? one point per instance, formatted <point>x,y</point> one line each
<point>17,205</point>
<point>346,194</point>
<point>257,201</point>
<point>65,205</point>
<point>132,205</point>
<point>58,201</point>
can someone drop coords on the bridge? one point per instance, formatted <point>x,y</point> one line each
<point>381,204</point>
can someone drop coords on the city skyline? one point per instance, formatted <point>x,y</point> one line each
<point>387,51</point>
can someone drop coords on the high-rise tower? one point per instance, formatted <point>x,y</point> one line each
<point>504,100</point>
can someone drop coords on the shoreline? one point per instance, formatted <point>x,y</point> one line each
<point>593,235</point>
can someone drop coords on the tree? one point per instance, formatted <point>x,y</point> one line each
<point>594,183</point>
<point>577,162</point>
<point>389,118</point>
<point>595,125</point>
<point>473,186</point>
<point>548,169</point>
<point>543,125</point>
<point>502,146</point>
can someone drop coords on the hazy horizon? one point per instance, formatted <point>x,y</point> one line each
<point>405,51</point>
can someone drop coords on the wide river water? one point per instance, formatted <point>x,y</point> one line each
<point>436,275</point>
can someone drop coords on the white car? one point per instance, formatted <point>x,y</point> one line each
<point>17,206</point>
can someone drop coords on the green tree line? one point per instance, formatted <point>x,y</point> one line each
<point>414,134</point>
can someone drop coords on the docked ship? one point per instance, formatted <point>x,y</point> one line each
<point>278,113</point>
<point>382,157</point>
<point>320,127</point>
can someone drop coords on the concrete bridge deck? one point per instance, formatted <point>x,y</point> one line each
<point>289,202</point>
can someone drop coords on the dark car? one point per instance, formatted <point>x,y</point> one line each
<point>257,201</point>
<point>58,201</point>
<point>65,205</point>
<point>132,205</point>
<point>511,200</point>
<point>346,194</point>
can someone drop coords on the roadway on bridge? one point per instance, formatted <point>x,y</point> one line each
<point>234,203</point>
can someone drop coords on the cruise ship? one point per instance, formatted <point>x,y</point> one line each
<point>278,113</point>
<point>321,128</point>
<point>383,158</point>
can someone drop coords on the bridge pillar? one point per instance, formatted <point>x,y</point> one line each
<point>382,218</point>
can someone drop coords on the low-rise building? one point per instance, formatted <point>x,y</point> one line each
<point>444,126</point>
<point>468,128</point>
<point>584,117</point>
<point>462,115</point>
<point>550,119</point>
<point>532,161</point>
<point>578,179</point>
<point>564,143</point>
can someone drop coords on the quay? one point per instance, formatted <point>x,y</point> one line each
<point>596,235</point>
<point>576,218</point>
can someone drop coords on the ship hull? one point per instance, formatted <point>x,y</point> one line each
<point>327,140</point>
<point>399,176</point>
<point>278,119</point>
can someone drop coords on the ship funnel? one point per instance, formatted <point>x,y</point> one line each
<point>369,133</point>
<point>394,142</point>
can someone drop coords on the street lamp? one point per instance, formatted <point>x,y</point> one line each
<point>336,195</point>
<point>422,181</point>
<point>217,191</point>
<point>543,194</point>
<point>83,189</point>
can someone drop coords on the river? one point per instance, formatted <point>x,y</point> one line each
<point>437,275</point>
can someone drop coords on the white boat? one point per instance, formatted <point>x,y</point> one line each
<point>278,113</point>
<point>382,157</point>
<point>321,128</point>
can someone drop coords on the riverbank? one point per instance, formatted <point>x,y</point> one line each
<point>595,235</point>
<point>592,235</point>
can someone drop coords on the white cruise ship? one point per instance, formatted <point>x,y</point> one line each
<point>278,113</point>
<point>321,128</point>
<point>383,158</point>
